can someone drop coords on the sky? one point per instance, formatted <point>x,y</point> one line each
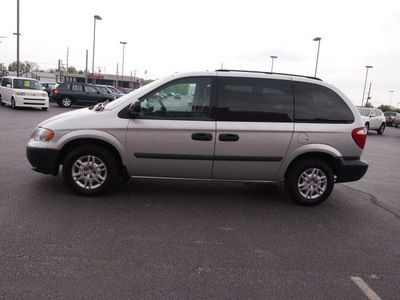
<point>165,37</point>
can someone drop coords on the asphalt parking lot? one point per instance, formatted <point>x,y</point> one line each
<point>154,239</point>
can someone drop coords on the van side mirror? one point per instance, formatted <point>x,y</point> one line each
<point>135,108</point>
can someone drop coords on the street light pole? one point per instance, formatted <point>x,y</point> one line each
<point>96,17</point>
<point>365,85</point>
<point>391,94</point>
<point>317,39</point>
<point>134,78</point>
<point>123,56</point>
<point>272,64</point>
<point>18,38</point>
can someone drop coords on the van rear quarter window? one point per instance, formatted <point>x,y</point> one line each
<point>318,104</point>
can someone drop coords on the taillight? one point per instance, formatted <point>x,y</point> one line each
<point>360,136</point>
<point>55,91</point>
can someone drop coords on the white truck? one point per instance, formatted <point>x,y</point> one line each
<point>23,92</point>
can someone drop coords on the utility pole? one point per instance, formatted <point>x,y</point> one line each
<point>17,38</point>
<point>369,92</point>
<point>67,64</point>
<point>86,69</point>
<point>365,84</point>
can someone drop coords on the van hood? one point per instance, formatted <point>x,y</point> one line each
<point>76,119</point>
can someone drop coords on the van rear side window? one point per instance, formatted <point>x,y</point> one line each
<point>255,99</point>
<point>319,104</point>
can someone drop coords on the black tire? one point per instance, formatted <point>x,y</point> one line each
<point>13,105</point>
<point>65,102</point>
<point>44,108</point>
<point>1,101</point>
<point>381,129</point>
<point>90,170</point>
<point>309,182</point>
<point>367,126</point>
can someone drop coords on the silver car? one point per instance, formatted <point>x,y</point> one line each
<point>226,126</point>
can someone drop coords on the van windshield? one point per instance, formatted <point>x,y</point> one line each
<point>131,95</point>
<point>19,83</point>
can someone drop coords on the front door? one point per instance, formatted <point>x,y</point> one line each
<point>174,135</point>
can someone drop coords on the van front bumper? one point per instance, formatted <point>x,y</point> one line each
<point>43,160</point>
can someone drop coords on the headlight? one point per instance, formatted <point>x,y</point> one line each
<point>20,93</point>
<point>42,134</point>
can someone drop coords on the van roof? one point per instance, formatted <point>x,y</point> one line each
<point>269,73</point>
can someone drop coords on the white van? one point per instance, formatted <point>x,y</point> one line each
<point>23,92</point>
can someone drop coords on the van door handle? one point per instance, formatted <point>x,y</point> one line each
<point>228,137</point>
<point>202,136</point>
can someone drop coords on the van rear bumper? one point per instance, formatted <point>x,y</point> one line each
<point>350,169</point>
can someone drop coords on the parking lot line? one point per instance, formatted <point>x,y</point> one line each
<point>365,288</point>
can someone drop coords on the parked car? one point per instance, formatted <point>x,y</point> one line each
<point>390,117</point>
<point>67,94</point>
<point>176,96</point>
<point>263,128</point>
<point>47,86</point>
<point>373,118</point>
<point>106,90</point>
<point>23,92</point>
<point>121,90</point>
<point>396,121</point>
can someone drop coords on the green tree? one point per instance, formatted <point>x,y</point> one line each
<point>144,82</point>
<point>384,107</point>
<point>72,69</point>
<point>369,104</point>
<point>23,67</point>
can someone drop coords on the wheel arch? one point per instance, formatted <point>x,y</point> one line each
<point>329,159</point>
<point>92,141</point>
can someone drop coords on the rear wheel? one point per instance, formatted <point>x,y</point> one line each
<point>367,126</point>
<point>1,101</point>
<point>66,102</point>
<point>90,170</point>
<point>309,182</point>
<point>381,129</point>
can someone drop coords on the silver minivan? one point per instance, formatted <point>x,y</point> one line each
<point>225,126</point>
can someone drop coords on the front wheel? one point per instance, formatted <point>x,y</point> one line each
<point>13,105</point>
<point>90,170</point>
<point>381,129</point>
<point>309,182</point>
